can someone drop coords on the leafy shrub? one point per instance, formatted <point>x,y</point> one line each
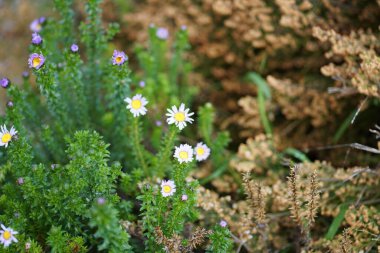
<point>78,168</point>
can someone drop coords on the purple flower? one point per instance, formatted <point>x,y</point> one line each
<point>20,181</point>
<point>10,104</point>
<point>162,33</point>
<point>36,25</point>
<point>41,20</point>
<point>74,48</point>
<point>5,83</point>
<point>36,39</point>
<point>184,197</point>
<point>101,201</point>
<point>25,74</point>
<point>28,245</point>
<point>142,84</point>
<point>183,27</point>
<point>223,223</point>
<point>36,61</point>
<point>119,57</point>
<point>158,123</point>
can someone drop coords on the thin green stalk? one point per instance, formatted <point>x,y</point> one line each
<point>263,114</point>
<point>164,154</point>
<point>263,95</point>
<point>344,126</point>
<point>137,145</point>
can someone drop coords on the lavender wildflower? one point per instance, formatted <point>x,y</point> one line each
<point>5,82</point>
<point>20,181</point>
<point>162,33</point>
<point>36,39</point>
<point>36,25</point>
<point>25,74</point>
<point>74,48</point>
<point>119,57</point>
<point>36,61</point>
<point>101,201</point>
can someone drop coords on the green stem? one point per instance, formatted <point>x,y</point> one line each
<point>164,154</point>
<point>262,112</point>
<point>137,145</point>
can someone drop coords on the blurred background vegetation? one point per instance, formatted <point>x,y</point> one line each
<point>309,53</point>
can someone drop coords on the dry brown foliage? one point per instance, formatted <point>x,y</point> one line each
<point>295,210</point>
<point>303,48</point>
<point>175,243</point>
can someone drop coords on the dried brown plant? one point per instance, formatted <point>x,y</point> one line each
<point>345,243</point>
<point>256,197</point>
<point>197,238</point>
<point>361,63</point>
<point>313,199</point>
<point>171,245</point>
<point>175,243</point>
<point>293,186</point>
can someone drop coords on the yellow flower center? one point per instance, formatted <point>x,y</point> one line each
<point>36,61</point>
<point>6,138</point>
<point>166,188</point>
<point>136,104</point>
<point>183,155</point>
<point>119,59</point>
<point>179,116</point>
<point>7,235</point>
<point>200,151</point>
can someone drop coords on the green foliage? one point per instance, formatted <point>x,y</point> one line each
<point>220,240</point>
<point>217,144</point>
<point>263,94</point>
<point>105,218</point>
<point>61,242</point>
<point>169,213</point>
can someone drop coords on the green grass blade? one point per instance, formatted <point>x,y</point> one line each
<point>344,126</point>
<point>261,84</point>
<point>297,154</point>
<point>263,94</point>
<point>333,229</point>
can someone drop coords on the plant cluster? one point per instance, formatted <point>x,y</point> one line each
<point>89,147</point>
<point>107,151</point>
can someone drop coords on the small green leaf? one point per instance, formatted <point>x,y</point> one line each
<point>344,126</point>
<point>337,221</point>
<point>260,82</point>
<point>297,154</point>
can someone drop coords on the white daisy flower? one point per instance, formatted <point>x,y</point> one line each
<point>6,136</point>
<point>179,116</point>
<point>184,153</point>
<point>137,104</point>
<point>7,236</point>
<point>201,152</point>
<point>167,188</point>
